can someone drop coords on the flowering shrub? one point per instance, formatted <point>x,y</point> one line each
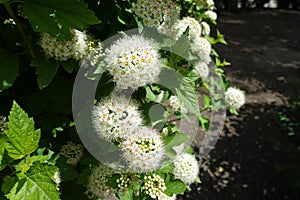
<point>99,92</point>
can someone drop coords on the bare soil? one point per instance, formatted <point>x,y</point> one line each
<point>264,49</point>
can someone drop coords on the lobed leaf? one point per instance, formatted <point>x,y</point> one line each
<point>22,137</point>
<point>179,85</point>
<point>175,187</point>
<point>56,17</point>
<point>38,183</point>
<point>45,71</point>
<point>174,140</point>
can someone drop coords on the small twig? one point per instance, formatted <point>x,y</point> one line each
<point>12,14</point>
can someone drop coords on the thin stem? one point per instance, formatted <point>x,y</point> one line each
<point>12,14</point>
<point>174,120</point>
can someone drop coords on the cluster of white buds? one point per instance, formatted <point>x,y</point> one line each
<point>186,168</point>
<point>156,13</point>
<point>235,98</point>
<point>134,62</point>
<point>116,118</point>
<point>73,152</point>
<point>3,124</point>
<point>76,48</point>
<point>96,54</point>
<point>143,150</point>
<point>154,186</point>
<point>97,187</point>
<point>201,69</point>
<point>57,179</point>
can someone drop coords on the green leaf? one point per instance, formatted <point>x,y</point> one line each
<point>204,122</point>
<point>182,88</point>
<point>3,1</point>
<point>3,143</point>
<point>175,187</point>
<point>67,172</point>
<point>150,96</point>
<point>57,16</point>
<point>38,183</point>
<point>69,65</point>
<point>83,177</point>
<point>25,164</point>
<point>182,46</point>
<point>112,181</point>
<point>188,150</point>
<point>128,195</point>
<point>45,71</point>
<point>166,167</point>
<point>207,101</point>
<point>174,140</point>
<point>8,184</point>
<point>9,68</point>
<point>23,139</point>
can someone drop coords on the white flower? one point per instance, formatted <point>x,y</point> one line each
<point>97,187</point>
<point>174,103</point>
<point>57,179</point>
<point>234,98</point>
<point>144,150</point>
<point>211,15</point>
<point>156,13</point>
<point>163,196</point>
<point>186,168</point>
<point>116,118</point>
<point>201,69</point>
<point>205,28</point>
<point>81,44</point>
<point>154,186</point>
<point>76,48</point>
<point>202,48</point>
<point>181,25</point>
<point>210,3</point>
<point>72,152</point>
<point>133,61</point>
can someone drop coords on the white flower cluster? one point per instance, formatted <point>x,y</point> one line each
<point>174,103</point>
<point>3,124</point>
<point>235,98</point>
<point>211,15</point>
<point>154,186</point>
<point>202,48</point>
<point>143,150</point>
<point>186,168</point>
<point>57,179</point>
<point>116,118</point>
<point>134,62</point>
<point>163,196</point>
<point>187,22</point>
<point>123,181</point>
<point>201,69</point>
<point>76,48</point>
<point>205,28</point>
<point>97,187</point>
<point>72,152</point>
<point>156,13</point>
